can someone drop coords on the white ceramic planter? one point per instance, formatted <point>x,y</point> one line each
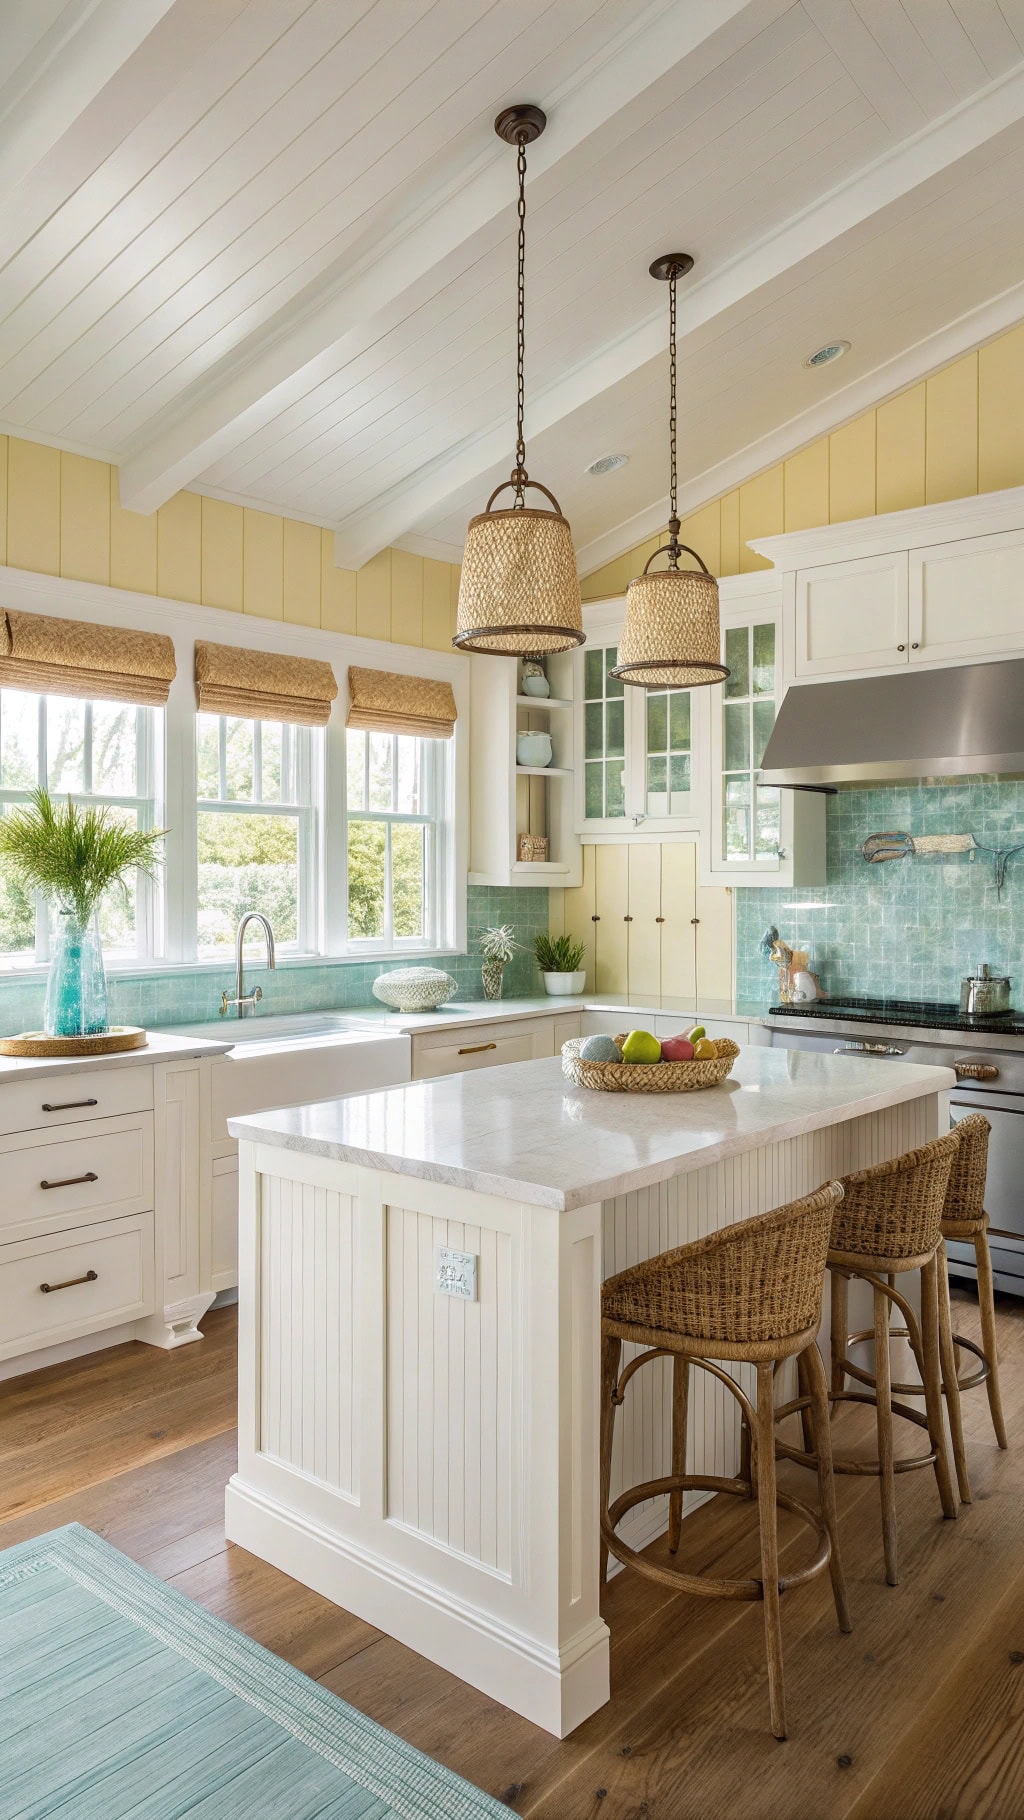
<point>563,985</point>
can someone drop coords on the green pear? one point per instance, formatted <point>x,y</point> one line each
<point>641,1046</point>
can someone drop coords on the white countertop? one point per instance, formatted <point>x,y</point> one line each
<point>161,1047</point>
<point>523,1132</point>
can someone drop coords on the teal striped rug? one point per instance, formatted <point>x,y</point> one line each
<point>122,1700</point>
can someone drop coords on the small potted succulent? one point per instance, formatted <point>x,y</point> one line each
<point>560,960</point>
<point>497,947</point>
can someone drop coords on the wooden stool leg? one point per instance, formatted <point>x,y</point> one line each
<point>806,1390</point>
<point>931,1372</point>
<point>987,1308</point>
<point>611,1353</point>
<point>746,1455</point>
<point>840,1328</point>
<point>680,1403</point>
<point>769,1545</point>
<point>950,1382</point>
<point>883,1424</point>
<point>819,1412</point>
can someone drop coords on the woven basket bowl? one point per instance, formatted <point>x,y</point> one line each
<point>653,1077</point>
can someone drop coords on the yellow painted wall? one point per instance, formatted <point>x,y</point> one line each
<point>957,433</point>
<point>60,515</point>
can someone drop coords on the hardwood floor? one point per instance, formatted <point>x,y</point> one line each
<point>915,1716</point>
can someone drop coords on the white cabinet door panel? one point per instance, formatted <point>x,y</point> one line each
<point>967,599</point>
<point>852,616</point>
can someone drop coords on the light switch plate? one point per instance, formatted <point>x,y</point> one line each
<point>455,1273</point>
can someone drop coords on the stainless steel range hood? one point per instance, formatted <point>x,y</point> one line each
<point>925,723</point>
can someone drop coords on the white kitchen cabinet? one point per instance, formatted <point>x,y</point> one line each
<point>649,928</point>
<point>64,1285</point>
<point>473,1046</point>
<point>852,616</point>
<point>637,752</point>
<point>967,599</point>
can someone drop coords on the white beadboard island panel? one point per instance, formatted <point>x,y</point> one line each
<point>467,1525</point>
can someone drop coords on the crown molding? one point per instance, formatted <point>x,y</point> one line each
<point>978,515</point>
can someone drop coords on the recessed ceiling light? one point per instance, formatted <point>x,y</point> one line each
<point>832,350</point>
<point>606,464</point>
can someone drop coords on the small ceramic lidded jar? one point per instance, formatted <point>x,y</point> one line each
<point>535,680</point>
<point>533,749</point>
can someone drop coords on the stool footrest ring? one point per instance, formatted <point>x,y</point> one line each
<point>864,1375</point>
<point>707,1585</point>
<point>861,1468</point>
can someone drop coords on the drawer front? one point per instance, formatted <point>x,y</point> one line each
<point>71,1098</point>
<point>92,1172</point>
<point>481,1046</point>
<point>98,1276</point>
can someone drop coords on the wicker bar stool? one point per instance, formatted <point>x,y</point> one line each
<point>889,1222</point>
<point>753,1292</point>
<point>964,1217</point>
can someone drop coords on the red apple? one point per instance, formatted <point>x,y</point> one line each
<point>677,1049</point>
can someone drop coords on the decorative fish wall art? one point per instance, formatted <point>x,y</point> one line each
<point>881,847</point>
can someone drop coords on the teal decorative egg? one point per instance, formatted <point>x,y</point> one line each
<point>600,1049</point>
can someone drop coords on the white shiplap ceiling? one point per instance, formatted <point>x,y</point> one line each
<point>265,247</point>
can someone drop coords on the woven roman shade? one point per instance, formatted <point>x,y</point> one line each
<point>95,663</point>
<point>385,702</point>
<point>263,685</point>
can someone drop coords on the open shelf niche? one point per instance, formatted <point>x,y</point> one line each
<point>509,799</point>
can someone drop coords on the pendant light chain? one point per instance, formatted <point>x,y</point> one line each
<point>519,477</point>
<point>673,522</point>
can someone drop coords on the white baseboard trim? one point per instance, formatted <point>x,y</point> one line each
<point>555,1689</point>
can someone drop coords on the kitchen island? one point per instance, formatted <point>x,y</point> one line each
<point>420,1273</point>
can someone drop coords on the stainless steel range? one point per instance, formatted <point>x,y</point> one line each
<point>987,1056</point>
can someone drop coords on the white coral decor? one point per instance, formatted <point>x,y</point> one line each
<point>415,988</point>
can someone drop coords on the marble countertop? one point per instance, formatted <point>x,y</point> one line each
<point>523,1132</point>
<point>161,1047</point>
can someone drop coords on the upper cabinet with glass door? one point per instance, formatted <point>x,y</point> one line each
<point>753,833</point>
<point>636,749</point>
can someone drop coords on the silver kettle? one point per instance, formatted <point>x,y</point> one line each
<point>984,994</point>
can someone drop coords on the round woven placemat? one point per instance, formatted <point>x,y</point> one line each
<point>115,1041</point>
<point>652,1077</point>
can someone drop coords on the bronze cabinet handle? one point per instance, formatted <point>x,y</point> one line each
<point>975,1071</point>
<point>901,647</point>
<point>72,1181</point>
<point>477,1048</point>
<point>67,1105</point>
<point>627,919</point>
<point>595,919</point>
<point>659,919</point>
<point>91,1276</point>
<point>694,920</point>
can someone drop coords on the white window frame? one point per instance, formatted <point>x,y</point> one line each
<point>146,803</point>
<point>434,816</point>
<point>175,762</point>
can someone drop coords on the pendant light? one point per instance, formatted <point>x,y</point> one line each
<point>670,639</point>
<point>520,591</point>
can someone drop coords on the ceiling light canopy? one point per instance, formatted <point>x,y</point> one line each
<point>520,589</point>
<point>671,637</point>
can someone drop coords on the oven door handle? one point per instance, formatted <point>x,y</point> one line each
<point>868,1049</point>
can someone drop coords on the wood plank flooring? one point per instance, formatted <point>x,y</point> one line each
<point>918,1715</point>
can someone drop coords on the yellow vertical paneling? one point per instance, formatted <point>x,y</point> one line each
<point>33,505</point>
<point>84,519</point>
<point>1001,412</point>
<point>407,598</point>
<point>951,432</point>
<point>436,605</point>
<point>761,515</point>
<point>301,573</point>
<point>3,498</point>
<point>899,451</point>
<point>805,488</point>
<point>263,564</point>
<point>454,582</point>
<point>373,597</point>
<point>222,555</point>
<point>132,545</point>
<point>729,505</point>
<point>703,532</point>
<point>337,590</point>
<point>851,470</point>
<point>179,548</point>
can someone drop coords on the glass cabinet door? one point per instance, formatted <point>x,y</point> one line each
<point>751,812</point>
<point>604,736</point>
<point>667,775</point>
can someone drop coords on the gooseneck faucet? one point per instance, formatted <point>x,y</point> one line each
<point>242,1003</point>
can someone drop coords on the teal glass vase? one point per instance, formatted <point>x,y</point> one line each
<point>76,990</point>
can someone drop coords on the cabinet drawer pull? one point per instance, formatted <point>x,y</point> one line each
<point>659,919</point>
<point>627,919</point>
<point>477,1048</point>
<point>72,1181</point>
<point>694,920</point>
<point>595,919</point>
<point>67,1105</point>
<point>91,1276</point>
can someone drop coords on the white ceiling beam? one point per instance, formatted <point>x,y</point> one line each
<point>403,508</point>
<point>247,387</point>
<point>62,75</point>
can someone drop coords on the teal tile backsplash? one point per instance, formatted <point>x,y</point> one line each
<point>911,927</point>
<point>192,995</point>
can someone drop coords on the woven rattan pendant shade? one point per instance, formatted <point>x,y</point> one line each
<point>520,589</point>
<point>668,613</point>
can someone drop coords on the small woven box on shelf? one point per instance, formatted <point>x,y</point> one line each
<point>652,1077</point>
<point>533,847</point>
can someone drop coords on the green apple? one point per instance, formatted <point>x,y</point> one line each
<point>696,1033</point>
<point>641,1046</point>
